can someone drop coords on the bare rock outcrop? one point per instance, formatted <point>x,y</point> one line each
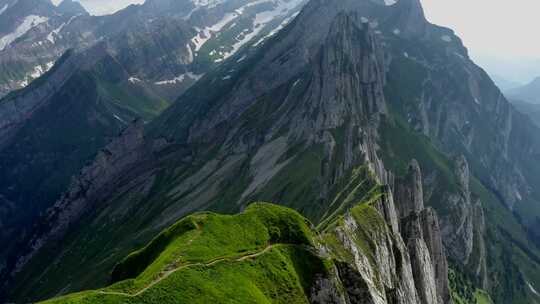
<point>422,234</point>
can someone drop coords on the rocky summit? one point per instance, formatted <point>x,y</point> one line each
<point>397,170</point>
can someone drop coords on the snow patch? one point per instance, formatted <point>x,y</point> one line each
<point>390,2</point>
<point>179,79</point>
<point>281,9</point>
<point>241,58</point>
<point>28,23</point>
<point>3,9</point>
<point>446,38</point>
<point>205,34</point>
<point>56,32</point>
<point>191,57</point>
<point>257,2</point>
<point>23,83</point>
<point>36,72</point>
<point>277,29</point>
<point>518,195</point>
<point>477,101</point>
<point>406,54</point>
<point>533,289</point>
<point>40,70</point>
<point>207,3</point>
<point>364,20</point>
<point>119,119</point>
<point>396,31</point>
<point>134,79</point>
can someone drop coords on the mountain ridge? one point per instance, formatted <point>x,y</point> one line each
<point>529,92</point>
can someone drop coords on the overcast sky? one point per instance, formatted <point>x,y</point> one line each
<point>502,36</point>
<point>508,28</point>
<point>103,7</point>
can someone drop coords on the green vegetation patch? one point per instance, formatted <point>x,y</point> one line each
<point>361,187</point>
<point>263,255</point>
<point>463,291</point>
<point>282,274</point>
<point>207,237</point>
<point>370,225</point>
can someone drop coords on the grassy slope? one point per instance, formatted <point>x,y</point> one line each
<point>280,275</point>
<point>370,225</point>
<point>263,255</point>
<point>259,256</point>
<point>482,297</point>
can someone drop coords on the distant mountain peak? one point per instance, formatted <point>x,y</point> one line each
<point>529,92</point>
<point>71,7</point>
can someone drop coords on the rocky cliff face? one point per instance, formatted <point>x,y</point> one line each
<point>420,228</point>
<point>405,267</point>
<point>464,228</point>
<point>463,122</point>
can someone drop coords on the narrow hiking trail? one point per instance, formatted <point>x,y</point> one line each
<point>210,263</point>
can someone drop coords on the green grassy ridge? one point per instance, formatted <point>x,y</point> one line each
<point>265,254</point>
<point>282,274</point>
<point>207,236</point>
<point>198,241</point>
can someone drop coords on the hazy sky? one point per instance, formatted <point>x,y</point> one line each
<point>100,7</point>
<point>508,28</point>
<point>103,7</point>
<point>502,36</point>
